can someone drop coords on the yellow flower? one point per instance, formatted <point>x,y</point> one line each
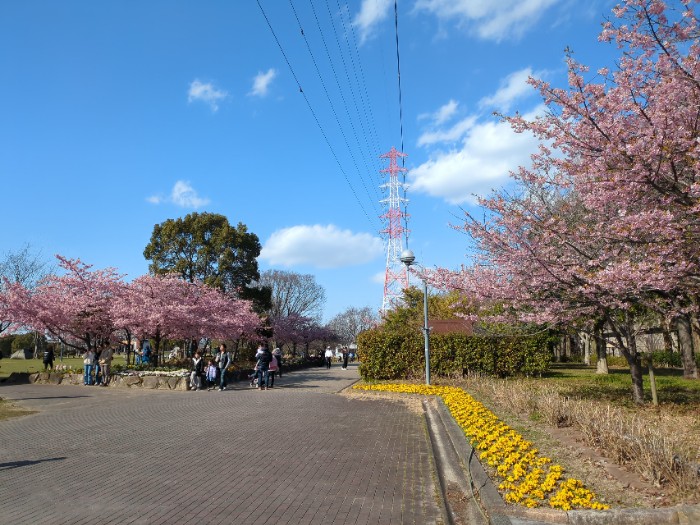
<point>515,460</point>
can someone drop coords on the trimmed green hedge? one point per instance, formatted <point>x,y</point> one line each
<point>391,355</point>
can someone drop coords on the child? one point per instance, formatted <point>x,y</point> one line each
<point>254,376</point>
<point>211,375</point>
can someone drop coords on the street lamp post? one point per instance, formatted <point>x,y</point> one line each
<point>409,259</point>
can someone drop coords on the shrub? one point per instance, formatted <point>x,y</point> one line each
<point>393,355</point>
<point>23,341</point>
<point>6,345</point>
<point>618,361</point>
<point>668,359</point>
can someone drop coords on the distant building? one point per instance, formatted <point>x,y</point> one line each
<point>451,326</point>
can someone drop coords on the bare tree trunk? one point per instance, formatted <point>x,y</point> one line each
<point>668,339</point>
<point>628,348</point>
<point>685,340</point>
<point>600,350</point>
<point>586,343</point>
<point>652,383</point>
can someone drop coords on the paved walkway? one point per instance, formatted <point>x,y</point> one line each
<point>296,454</point>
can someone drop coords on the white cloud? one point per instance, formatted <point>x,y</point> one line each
<point>320,246</point>
<point>183,195</point>
<point>445,113</point>
<point>513,87</point>
<point>261,82</point>
<point>378,278</point>
<point>452,134</point>
<point>372,12</point>
<point>488,153</point>
<point>206,93</point>
<point>489,20</point>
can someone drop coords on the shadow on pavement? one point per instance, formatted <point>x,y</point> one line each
<point>26,463</point>
<point>46,397</point>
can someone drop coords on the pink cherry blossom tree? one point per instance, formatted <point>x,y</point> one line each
<point>163,307</point>
<point>604,225</point>
<point>299,330</point>
<point>74,307</point>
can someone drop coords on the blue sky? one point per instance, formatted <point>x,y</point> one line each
<point>115,116</point>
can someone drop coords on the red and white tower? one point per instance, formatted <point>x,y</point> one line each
<point>396,276</point>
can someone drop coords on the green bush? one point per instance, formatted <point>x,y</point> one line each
<point>668,359</point>
<point>660,359</point>
<point>391,355</point>
<point>6,345</point>
<point>23,341</point>
<point>614,360</point>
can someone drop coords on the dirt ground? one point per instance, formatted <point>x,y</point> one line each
<point>8,410</point>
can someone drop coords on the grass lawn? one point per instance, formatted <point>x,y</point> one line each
<point>581,381</point>
<point>7,366</point>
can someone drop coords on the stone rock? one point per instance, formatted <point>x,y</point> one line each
<point>131,381</point>
<point>55,378</point>
<point>172,383</point>
<point>149,382</point>
<point>73,379</point>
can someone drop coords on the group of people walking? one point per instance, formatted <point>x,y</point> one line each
<point>210,374</point>
<point>344,356</point>
<point>97,365</point>
<point>213,374</point>
<point>267,364</point>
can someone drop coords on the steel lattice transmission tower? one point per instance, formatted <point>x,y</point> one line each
<point>396,276</point>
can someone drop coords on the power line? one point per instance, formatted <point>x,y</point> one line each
<point>398,70</point>
<point>364,96</point>
<point>313,113</point>
<point>325,89</point>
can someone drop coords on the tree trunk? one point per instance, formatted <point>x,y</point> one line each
<point>685,340</point>
<point>600,350</point>
<point>652,383</point>
<point>668,340</point>
<point>623,333</point>
<point>586,343</point>
<point>628,348</point>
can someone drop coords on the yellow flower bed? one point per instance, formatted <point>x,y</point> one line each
<point>527,478</point>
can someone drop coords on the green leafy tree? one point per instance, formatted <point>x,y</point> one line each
<point>205,247</point>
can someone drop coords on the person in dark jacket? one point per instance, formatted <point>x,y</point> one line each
<point>264,368</point>
<point>346,356</point>
<point>48,358</point>
<point>197,372</point>
<point>223,360</point>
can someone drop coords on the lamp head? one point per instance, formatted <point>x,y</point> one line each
<point>407,258</point>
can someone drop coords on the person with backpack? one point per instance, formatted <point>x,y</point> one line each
<point>48,358</point>
<point>277,354</point>
<point>263,365</point>
<point>274,367</point>
<point>223,360</point>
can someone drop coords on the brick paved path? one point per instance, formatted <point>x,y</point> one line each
<point>296,454</point>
